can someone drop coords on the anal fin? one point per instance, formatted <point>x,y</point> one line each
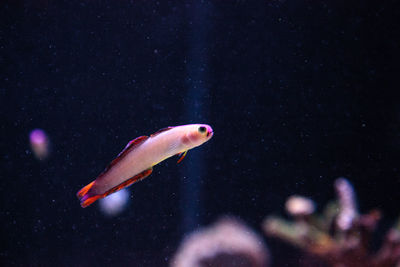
<point>129,182</point>
<point>87,198</point>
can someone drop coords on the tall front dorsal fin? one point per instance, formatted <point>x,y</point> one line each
<point>162,130</point>
<point>128,148</point>
<point>133,143</point>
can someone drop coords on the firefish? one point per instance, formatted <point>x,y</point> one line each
<point>136,160</point>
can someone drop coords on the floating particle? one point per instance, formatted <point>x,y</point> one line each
<point>114,203</point>
<point>39,144</point>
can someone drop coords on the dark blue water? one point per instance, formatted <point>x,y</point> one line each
<point>298,93</point>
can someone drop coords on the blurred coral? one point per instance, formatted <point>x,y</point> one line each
<point>347,204</point>
<point>338,237</point>
<point>299,206</point>
<point>226,243</point>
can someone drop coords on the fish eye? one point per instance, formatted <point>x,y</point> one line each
<point>202,129</point>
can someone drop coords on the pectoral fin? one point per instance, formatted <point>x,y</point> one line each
<point>182,156</point>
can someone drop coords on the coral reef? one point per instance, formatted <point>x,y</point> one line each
<point>228,242</point>
<point>340,236</point>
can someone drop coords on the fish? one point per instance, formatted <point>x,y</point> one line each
<point>136,160</point>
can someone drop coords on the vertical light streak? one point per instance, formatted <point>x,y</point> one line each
<point>196,107</point>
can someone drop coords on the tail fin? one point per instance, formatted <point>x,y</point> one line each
<point>88,200</point>
<point>84,196</point>
<point>84,190</point>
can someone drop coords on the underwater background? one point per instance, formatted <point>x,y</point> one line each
<point>298,94</point>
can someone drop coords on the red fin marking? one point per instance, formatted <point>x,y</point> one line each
<point>129,182</point>
<point>162,130</point>
<point>84,190</point>
<point>129,147</point>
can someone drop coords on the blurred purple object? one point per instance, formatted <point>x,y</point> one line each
<point>39,143</point>
<point>115,203</point>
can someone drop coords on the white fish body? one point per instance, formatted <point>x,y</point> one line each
<point>135,162</point>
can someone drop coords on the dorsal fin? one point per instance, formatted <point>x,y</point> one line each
<point>129,147</point>
<point>133,143</point>
<point>162,130</point>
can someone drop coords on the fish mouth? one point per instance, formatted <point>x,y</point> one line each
<point>210,134</point>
